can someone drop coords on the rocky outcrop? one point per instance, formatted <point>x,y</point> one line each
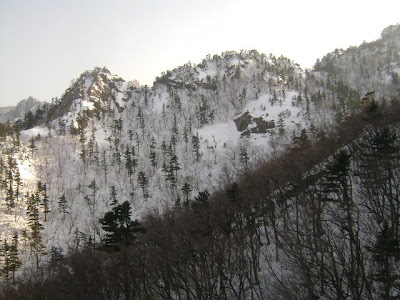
<point>247,124</point>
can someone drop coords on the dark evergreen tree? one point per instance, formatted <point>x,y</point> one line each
<point>153,155</point>
<point>244,158</point>
<point>44,200</point>
<point>196,146</point>
<point>113,196</point>
<point>130,163</point>
<point>29,120</point>
<point>186,191</point>
<point>386,254</point>
<point>94,187</point>
<point>143,183</point>
<point>5,272</point>
<point>36,227</point>
<point>62,129</point>
<point>104,164</point>
<point>62,204</point>
<point>120,229</point>
<point>32,145</point>
<point>14,262</point>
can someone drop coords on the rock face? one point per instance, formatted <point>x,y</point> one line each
<point>247,124</point>
<point>14,112</point>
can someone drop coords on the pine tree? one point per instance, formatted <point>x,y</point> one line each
<point>146,95</point>
<point>153,159</point>
<point>386,251</point>
<point>62,204</point>
<point>336,175</point>
<point>174,163</point>
<point>129,163</point>
<point>201,200</point>
<point>121,230</point>
<point>94,187</point>
<point>203,112</point>
<point>185,137</point>
<point>113,196</point>
<point>18,182</point>
<point>5,272</point>
<point>175,126</point>
<point>36,244</point>
<point>186,191</point>
<point>44,201</point>
<point>12,169</point>
<point>61,127</point>
<point>196,146</point>
<point>143,182</point>
<point>32,145</point>
<point>244,158</point>
<point>91,146</point>
<point>152,155</point>
<point>56,256</point>
<point>104,163</point>
<point>140,117</point>
<point>13,260</point>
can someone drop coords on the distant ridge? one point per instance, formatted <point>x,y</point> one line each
<point>11,113</point>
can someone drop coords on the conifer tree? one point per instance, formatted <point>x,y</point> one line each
<point>113,196</point>
<point>61,127</point>
<point>18,183</point>
<point>175,126</point>
<point>174,165</point>
<point>153,155</point>
<point>196,146</point>
<point>104,163</point>
<point>91,146</point>
<point>186,191</point>
<point>146,95</point>
<point>36,227</point>
<point>62,204</point>
<point>386,252</point>
<point>32,145</point>
<point>121,230</point>
<point>44,199</point>
<point>130,163</point>
<point>5,272</point>
<point>9,182</point>
<point>140,117</point>
<point>185,137</point>
<point>94,187</point>
<point>13,262</point>
<point>143,182</point>
<point>244,158</point>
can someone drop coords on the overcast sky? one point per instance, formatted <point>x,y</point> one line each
<point>44,44</point>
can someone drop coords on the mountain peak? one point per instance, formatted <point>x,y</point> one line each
<point>17,112</point>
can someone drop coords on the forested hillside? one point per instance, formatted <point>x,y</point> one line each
<point>249,177</point>
<point>320,221</point>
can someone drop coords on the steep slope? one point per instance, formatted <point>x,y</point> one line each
<point>198,128</point>
<point>371,67</point>
<point>320,221</point>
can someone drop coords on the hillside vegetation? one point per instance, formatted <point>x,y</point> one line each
<point>321,220</point>
<point>247,177</point>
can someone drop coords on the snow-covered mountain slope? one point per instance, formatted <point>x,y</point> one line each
<point>356,71</point>
<point>144,145</point>
<point>198,128</point>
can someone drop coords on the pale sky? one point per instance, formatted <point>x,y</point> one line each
<point>44,44</point>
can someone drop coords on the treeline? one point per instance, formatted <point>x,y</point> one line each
<point>320,221</point>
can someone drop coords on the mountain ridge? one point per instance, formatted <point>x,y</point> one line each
<point>12,113</point>
<point>199,127</point>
